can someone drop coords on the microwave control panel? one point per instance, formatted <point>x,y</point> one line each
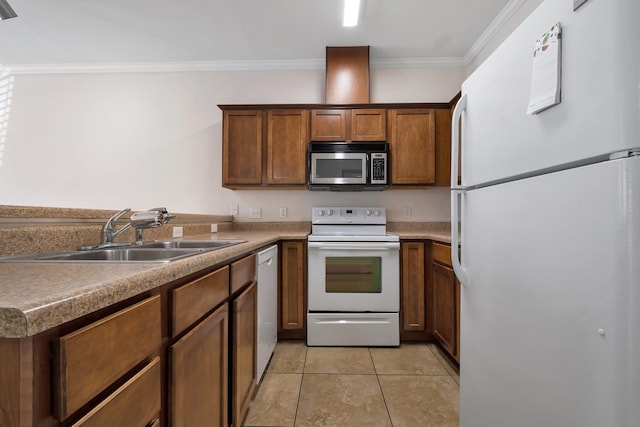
<point>378,168</point>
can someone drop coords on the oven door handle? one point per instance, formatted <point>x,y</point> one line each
<point>353,246</point>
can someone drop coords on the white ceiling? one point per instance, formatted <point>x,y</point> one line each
<point>227,31</point>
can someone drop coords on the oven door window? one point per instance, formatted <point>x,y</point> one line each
<point>353,275</point>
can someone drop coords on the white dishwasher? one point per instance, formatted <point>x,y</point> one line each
<point>267,267</point>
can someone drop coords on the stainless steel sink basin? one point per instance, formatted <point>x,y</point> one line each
<point>124,254</point>
<point>190,244</point>
<point>157,252</point>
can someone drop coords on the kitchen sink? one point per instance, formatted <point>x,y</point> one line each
<point>156,252</point>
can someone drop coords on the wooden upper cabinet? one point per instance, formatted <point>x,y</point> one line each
<point>242,147</point>
<point>357,125</point>
<point>368,125</point>
<point>443,147</point>
<point>328,125</point>
<point>287,139</point>
<point>412,140</point>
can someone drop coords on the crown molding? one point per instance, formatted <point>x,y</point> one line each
<point>259,65</point>
<point>187,66</point>
<point>496,25</point>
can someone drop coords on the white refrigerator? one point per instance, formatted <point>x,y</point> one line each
<point>549,213</point>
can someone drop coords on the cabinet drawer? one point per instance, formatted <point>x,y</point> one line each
<point>197,298</point>
<point>92,358</point>
<point>441,253</point>
<point>136,403</point>
<point>243,272</point>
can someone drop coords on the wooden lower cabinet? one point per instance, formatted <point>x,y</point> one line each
<point>446,301</point>
<point>413,291</point>
<point>244,348</point>
<point>198,368</point>
<point>137,403</point>
<point>292,290</point>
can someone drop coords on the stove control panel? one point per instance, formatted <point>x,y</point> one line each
<point>348,215</point>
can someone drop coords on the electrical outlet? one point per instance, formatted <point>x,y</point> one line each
<point>255,212</point>
<point>214,228</point>
<point>234,209</point>
<point>406,212</point>
<point>177,231</point>
<point>283,213</point>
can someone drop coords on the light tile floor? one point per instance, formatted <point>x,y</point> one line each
<point>413,385</point>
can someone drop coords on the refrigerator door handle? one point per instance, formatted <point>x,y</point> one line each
<point>456,191</point>
<point>456,238</point>
<point>455,140</point>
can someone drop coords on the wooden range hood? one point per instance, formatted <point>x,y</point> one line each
<point>347,69</point>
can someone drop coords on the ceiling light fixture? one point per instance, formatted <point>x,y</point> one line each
<point>351,11</point>
<point>5,10</point>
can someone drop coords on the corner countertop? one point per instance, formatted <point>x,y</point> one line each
<point>35,296</point>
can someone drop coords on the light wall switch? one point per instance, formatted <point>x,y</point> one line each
<point>255,212</point>
<point>177,231</point>
<point>214,228</point>
<point>234,209</point>
<point>406,212</point>
<point>283,213</point>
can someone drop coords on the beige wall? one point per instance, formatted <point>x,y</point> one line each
<point>140,140</point>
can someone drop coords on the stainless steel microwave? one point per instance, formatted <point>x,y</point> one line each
<point>343,166</point>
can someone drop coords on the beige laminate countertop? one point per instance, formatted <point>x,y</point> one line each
<point>36,296</point>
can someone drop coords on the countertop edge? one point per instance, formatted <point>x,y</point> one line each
<point>45,313</point>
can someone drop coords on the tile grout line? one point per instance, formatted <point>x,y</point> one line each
<point>304,368</point>
<point>380,385</point>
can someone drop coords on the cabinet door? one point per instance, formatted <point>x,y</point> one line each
<point>368,125</point>
<point>413,287</point>
<point>287,139</point>
<point>244,348</point>
<point>443,146</point>
<point>242,147</point>
<point>328,125</point>
<point>292,286</point>
<point>198,382</point>
<point>444,302</point>
<point>412,145</point>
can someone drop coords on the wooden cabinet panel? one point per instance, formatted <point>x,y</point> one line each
<point>443,146</point>
<point>198,383</point>
<point>244,347</point>
<point>242,147</point>
<point>441,253</point>
<point>368,125</point>
<point>243,272</point>
<point>446,307</point>
<point>347,74</point>
<point>328,125</point>
<point>136,403</point>
<point>287,139</point>
<point>411,140</point>
<point>197,298</point>
<point>413,287</point>
<point>92,358</point>
<point>292,286</point>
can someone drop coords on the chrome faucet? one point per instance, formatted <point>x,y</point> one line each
<point>152,218</point>
<point>109,231</point>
